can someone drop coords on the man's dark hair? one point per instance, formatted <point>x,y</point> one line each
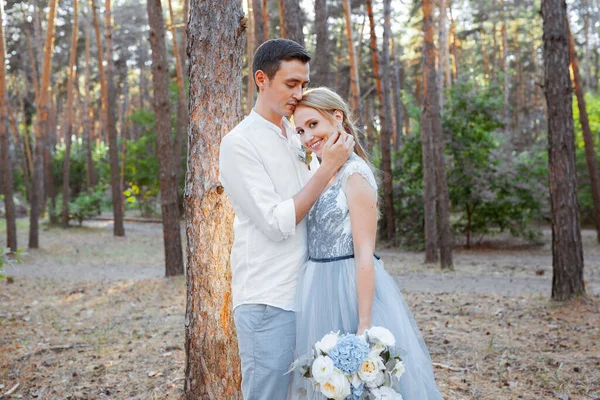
<point>269,55</point>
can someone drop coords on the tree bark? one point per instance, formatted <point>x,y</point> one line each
<point>567,251</point>
<point>443,50</point>
<point>398,103</point>
<point>356,102</point>
<point>11,224</point>
<point>251,42</point>
<point>321,73</point>
<point>590,156</point>
<point>111,125</point>
<point>37,189</point>
<point>212,363</point>
<point>182,117</point>
<point>90,175</point>
<point>260,28</point>
<point>431,114</point>
<point>69,125</point>
<point>429,191</point>
<point>292,20</point>
<point>164,145</point>
<point>386,129</point>
<point>506,108</point>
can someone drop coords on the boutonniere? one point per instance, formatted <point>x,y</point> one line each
<point>306,156</point>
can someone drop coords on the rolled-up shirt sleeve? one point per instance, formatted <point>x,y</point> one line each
<point>251,190</point>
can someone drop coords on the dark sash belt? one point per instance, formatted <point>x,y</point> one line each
<point>327,260</point>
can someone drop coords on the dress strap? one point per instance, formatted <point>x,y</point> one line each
<point>327,260</point>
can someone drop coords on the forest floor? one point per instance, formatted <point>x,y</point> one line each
<point>90,316</point>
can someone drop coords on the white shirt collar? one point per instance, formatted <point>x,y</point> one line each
<point>268,124</point>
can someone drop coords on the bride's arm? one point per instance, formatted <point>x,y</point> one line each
<point>362,203</point>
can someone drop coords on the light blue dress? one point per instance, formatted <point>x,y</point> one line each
<point>327,301</point>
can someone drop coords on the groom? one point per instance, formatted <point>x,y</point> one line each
<point>271,188</point>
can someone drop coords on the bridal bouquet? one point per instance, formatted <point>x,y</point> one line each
<point>350,367</point>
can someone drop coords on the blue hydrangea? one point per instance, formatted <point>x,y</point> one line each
<point>349,353</point>
<point>356,392</point>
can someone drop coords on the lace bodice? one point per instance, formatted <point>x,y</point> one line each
<point>329,230</point>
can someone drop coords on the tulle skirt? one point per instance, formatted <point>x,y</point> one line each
<point>327,301</point>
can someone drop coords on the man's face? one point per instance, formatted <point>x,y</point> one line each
<point>284,91</point>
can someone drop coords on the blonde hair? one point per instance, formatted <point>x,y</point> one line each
<point>326,101</point>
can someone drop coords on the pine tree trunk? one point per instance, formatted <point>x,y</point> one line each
<point>356,102</point>
<point>69,125</point>
<point>398,103</point>
<point>321,72</point>
<point>37,189</point>
<point>443,44</point>
<point>431,113</point>
<point>265,18</point>
<point>506,109</point>
<point>11,224</point>
<point>164,145</point>
<point>293,20</point>
<point>260,29</point>
<point>21,152</point>
<point>182,117</point>
<point>427,103</point>
<point>590,156</point>
<point>251,86</point>
<point>111,125</point>
<point>567,251</point>
<point>90,179</point>
<point>212,363</point>
<point>386,129</point>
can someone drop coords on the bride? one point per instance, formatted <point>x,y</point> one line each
<point>344,287</point>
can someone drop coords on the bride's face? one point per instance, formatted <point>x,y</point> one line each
<point>313,128</point>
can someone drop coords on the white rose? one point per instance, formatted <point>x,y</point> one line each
<point>377,381</point>
<point>337,386</point>
<point>370,369</point>
<point>399,369</point>
<point>381,335</point>
<point>322,368</point>
<point>327,343</point>
<point>386,393</point>
<point>376,349</point>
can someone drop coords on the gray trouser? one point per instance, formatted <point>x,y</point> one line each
<point>266,339</point>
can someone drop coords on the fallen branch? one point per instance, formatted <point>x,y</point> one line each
<point>12,390</point>
<point>443,366</point>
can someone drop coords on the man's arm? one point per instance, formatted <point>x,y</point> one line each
<point>244,178</point>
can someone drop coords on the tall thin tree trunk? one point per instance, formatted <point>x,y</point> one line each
<point>90,178</point>
<point>356,102</point>
<point>265,11</point>
<point>486,60</point>
<point>260,35</point>
<point>164,144</point>
<point>426,124</point>
<point>567,251</point>
<point>182,117</point>
<point>42,119</point>
<point>251,86</point>
<point>590,156</point>
<point>506,108</point>
<point>321,74</point>
<point>11,223</point>
<point>387,129</point>
<point>212,362</point>
<point>21,152</point>
<point>111,125</point>
<point>293,20</point>
<point>69,125</point>
<point>443,44</point>
<point>431,113</point>
<point>398,103</point>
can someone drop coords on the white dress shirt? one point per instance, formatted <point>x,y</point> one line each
<point>261,171</point>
